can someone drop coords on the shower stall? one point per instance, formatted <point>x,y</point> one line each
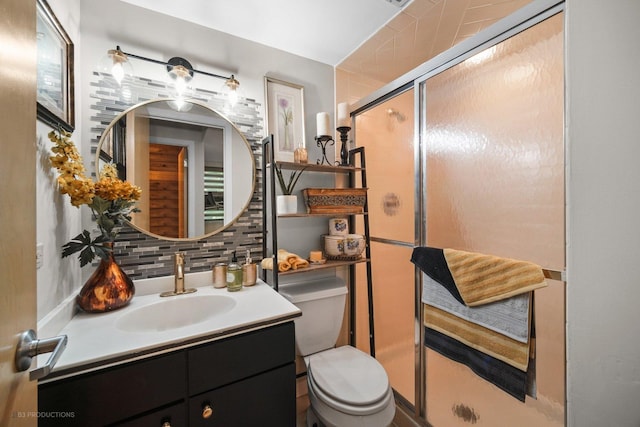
<point>468,153</point>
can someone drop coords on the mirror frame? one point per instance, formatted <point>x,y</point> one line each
<point>222,116</point>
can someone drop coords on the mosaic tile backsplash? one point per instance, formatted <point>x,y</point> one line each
<point>142,256</point>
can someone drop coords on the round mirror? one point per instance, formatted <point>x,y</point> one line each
<point>195,168</point>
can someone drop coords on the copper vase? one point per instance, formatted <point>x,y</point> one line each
<point>109,288</point>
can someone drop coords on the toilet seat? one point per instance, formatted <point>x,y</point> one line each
<point>349,380</point>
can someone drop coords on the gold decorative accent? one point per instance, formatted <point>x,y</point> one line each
<point>207,411</point>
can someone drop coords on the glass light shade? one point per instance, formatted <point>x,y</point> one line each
<point>116,64</point>
<point>180,77</point>
<point>180,104</point>
<point>231,89</point>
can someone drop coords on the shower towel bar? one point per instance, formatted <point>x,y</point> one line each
<point>554,275</point>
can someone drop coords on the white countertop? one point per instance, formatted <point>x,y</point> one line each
<point>94,340</point>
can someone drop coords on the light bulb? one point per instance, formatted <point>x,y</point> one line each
<point>233,97</point>
<point>180,76</point>
<point>117,72</point>
<point>181,86</point>
<point>231,88</point>
<point>116,64</point>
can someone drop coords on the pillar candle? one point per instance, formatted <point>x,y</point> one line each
<point>343,115</point>
<point>322,121</point>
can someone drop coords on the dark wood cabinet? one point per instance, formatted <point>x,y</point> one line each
<point>247,379</point>
<point>255,401</point>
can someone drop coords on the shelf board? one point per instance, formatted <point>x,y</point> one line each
<point>316,168</point>
<point>328,264</point>
<point>331,215</point>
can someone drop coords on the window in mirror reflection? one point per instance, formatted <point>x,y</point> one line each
<point>213,198</point>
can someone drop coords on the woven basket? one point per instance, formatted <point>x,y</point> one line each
<point>335,200</point>
<point>344,257</point>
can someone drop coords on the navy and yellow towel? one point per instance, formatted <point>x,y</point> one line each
<point>478,311</point>
<point>476,279</point>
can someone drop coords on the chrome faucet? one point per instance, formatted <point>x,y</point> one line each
<point>178,278</point>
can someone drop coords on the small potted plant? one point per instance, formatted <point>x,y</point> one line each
<point>287,203</point>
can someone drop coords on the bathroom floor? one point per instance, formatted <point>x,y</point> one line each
<point>302,403</point>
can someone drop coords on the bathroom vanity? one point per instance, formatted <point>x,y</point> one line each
<point>235,367</point>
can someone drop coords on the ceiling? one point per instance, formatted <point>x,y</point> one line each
<point>322,30</point>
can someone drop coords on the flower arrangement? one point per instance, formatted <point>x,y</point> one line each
<point>111,200</point>
<point>287,187</point>
<point>287,119</point>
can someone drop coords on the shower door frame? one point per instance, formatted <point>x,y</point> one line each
<point>524,18</point>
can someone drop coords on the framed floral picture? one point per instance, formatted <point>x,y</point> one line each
<point>285,117</point>
<point>54,70</point>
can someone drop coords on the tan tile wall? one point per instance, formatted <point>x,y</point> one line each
<point>421,31</point>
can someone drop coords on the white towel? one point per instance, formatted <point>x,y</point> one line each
<point>509,317</point>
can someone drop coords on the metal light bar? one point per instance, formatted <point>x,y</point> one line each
<point>231,79</point>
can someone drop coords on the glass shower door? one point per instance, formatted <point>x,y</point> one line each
<point>387,133</point>
<point>493,137</point>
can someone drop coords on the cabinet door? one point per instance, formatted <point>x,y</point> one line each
<point>111,395</point>
<point>266,400</point>
<point>232,359</point>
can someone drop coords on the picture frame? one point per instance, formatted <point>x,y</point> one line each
<point>285,117</point>
<point>55,87</point>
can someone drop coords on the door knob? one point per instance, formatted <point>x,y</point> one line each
<point>29,347</point>
<point>207,411</point>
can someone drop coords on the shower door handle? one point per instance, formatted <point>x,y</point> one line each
<point>29,347</point>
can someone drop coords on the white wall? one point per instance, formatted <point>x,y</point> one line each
<point>603,198</point>
<point>57,220</point>
<point>157,36</point>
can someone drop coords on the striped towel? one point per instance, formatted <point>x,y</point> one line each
<point>476,279</point>
<point>478,311</point>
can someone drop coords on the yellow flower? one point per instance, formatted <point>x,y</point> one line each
<point>110,187</point>
<point>81,192</point>
<point>68,161</point>
<point>111,200</point>
<point>114,189</point>
<point>109,171</point>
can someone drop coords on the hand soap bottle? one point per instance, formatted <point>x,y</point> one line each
<point>234,275</point>
<point>249,271</point>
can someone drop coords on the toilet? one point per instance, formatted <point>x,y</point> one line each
<point>346,386</point>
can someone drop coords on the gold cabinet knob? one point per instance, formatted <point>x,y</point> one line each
<point>207,411</point>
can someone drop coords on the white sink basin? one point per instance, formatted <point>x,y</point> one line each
<point>175,312</point>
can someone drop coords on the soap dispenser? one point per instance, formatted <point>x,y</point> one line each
<point>234,275</point>
<point>249,271</point>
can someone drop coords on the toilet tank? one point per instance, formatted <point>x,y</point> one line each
<point>321,301</point>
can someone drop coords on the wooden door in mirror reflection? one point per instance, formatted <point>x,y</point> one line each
<point>167,197</point>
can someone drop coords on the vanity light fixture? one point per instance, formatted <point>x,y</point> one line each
<point>179,69</point>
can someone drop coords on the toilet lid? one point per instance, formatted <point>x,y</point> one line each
<point>349,375</point>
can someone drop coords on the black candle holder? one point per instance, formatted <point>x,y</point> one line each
<point>322,141</point>
<point>344,153</point>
